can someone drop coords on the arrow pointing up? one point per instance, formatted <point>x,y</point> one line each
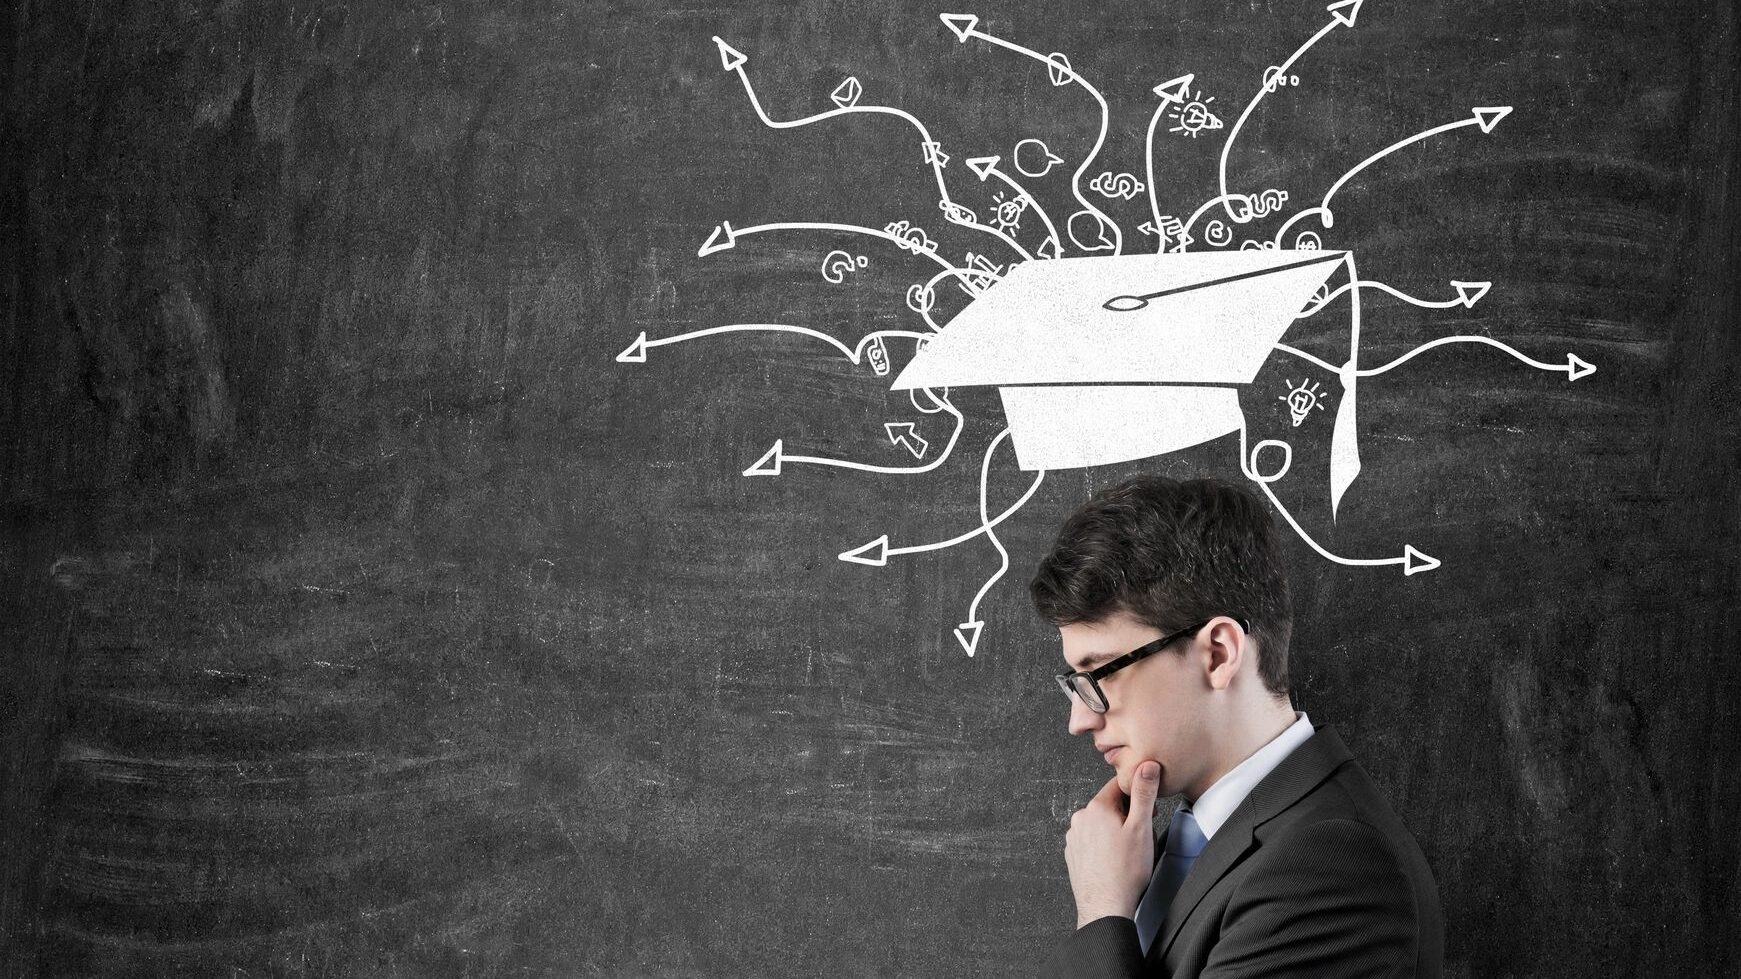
<point>637,351</point>
<point>1488,116</point>
<point>1470,292</point>
<point>768,464</point>
<point>1414,562</point>
<point>713,243</point>
<point>729,57</point>
<point>967,634</point>
<point>983,165</point>
<point>1578,367</point>
<point>875,554</point>
<point>961,24</point>
<point>1346,11</point>
<point>1175,90</point>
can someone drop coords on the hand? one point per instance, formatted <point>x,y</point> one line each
<point>1111,852</point>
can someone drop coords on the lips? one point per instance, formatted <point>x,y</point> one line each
<point>1110,752</point>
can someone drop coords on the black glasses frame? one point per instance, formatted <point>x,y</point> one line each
<point>1067,682</point>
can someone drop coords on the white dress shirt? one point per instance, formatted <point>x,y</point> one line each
<point>1219,800</point>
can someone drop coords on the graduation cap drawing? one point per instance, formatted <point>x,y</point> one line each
<point>1102,360</point>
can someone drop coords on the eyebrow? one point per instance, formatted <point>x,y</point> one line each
<point>1092,660</point>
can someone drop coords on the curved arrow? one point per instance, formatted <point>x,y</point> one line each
<point>1411,560</point>
<point>1484,116</point>
<point>731,235</point>
<point>734,61</point>
<point>878,552</point>
<point>1170,92</point>
<point>1468,293</point>
<point>770,462</point>
<point>636,353</point>
<point>1574,367</point>
<point>1343,14</point>
<point>967,633</point>
<point>987,166</point>
<point>964,27</point>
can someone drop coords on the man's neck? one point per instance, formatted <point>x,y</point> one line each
<point>1243,741</point>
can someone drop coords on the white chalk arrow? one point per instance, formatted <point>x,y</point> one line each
<point>1175,90</point>
<point>967,634</point>
<point>636,352</point>
<point>1049,248</point>
<point>714,242</point>
<point>1488,116</point>
<point>875,554</point>
<point>961,24</point>
<point>1342,14</point>
<point>729,57</point>
<point>1414,562</point>
<point>768,464</point>
<point>1577,367</point>
<point>983,166</point>
<point>903,434</point>
<point>987,167</point>
<point>1470,292</point>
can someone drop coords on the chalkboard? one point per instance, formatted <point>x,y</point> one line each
<point>384,592</point>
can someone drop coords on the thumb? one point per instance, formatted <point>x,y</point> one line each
<point>1142,794</point>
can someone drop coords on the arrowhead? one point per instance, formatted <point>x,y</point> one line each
<point>875,554</point>
<point>1148,228</point>
<point>1048,249</point>
<point>729,57</point>
<point>1488,116</point>
<point>1414,562</point>
<point>1346,11</point>
<point>768,464</point>
<point>898,430</point>
<point>961,24</point>
<point>637,351</point>
<point>982,165</point>
<point>1470,292</point>
<point>967,634</point>
<point>713,243</point>
<point>1176,90</point>
<point>1577,367</point>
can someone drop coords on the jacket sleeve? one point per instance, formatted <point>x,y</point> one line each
<point>1330,899</point>
<point>1105,948</point>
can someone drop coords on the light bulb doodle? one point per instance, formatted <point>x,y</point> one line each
<point>1193,116</point>
<point>1302,400</point>
<point>1102,357</point>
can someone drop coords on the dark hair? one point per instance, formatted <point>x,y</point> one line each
<point>1169,554</point>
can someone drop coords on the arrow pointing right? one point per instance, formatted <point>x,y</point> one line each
<point>1488,116</point>
<point>1470,292</point>
<point>1414,562</point>
<point>1577,367</point>
<point>729,57</point>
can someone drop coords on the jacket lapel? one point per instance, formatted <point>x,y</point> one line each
<point>1299,773</point>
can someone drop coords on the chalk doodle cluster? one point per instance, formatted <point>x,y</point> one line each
<point>1102,351</point>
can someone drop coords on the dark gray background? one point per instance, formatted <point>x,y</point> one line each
<point>362,616</point>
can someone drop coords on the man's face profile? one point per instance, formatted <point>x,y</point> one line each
<point>1157,708</point>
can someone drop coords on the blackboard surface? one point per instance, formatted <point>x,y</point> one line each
<point>363,614</point>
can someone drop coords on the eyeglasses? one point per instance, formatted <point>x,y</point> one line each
<point>1085,686</point>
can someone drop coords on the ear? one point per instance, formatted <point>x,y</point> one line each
<point>1229,648</point>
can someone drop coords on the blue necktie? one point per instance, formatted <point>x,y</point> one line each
<point>1185,840</point>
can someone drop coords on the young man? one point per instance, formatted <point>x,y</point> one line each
<point>1283,859</point>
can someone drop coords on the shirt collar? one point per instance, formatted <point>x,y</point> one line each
<point>1217,802</point>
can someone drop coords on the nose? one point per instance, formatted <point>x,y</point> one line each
<point>1083,720</point>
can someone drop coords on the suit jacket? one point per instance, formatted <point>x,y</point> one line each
<point>1312,875</point>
